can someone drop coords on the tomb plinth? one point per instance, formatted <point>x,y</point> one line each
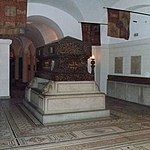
<point>65,91</point>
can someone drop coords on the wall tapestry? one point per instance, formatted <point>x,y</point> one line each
<point>118,23</point>
<point>13,14</point>
<point>91,33</point>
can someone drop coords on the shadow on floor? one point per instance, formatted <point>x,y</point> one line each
<point>18,90</point>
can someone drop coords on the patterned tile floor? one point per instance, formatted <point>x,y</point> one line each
<point>128,128</point>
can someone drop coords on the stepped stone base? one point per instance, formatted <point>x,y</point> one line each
<point>53,102</point>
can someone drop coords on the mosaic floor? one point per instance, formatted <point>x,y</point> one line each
<point>128,128</point>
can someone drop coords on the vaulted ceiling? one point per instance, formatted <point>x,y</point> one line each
<point>78,8</point>
<point>89,10</point>
<point>68,6</point>
<point>75,7</point>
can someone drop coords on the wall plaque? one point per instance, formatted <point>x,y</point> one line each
<point>135,64</point>
<point>118,64</point>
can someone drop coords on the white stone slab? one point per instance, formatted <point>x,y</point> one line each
<point>66,117</point>
<point>65,101</point>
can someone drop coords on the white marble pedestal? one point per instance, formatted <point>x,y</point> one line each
<point>53,102</point>
<point>4,68</point>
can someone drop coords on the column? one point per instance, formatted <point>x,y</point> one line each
<point>4,68</point>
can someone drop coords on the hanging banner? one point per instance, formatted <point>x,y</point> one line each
<point>13,14</point>
<point>91,33</point>
<point>118,23</point>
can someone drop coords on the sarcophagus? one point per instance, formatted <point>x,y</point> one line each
<point>64,60</point>
<point>63,89</point>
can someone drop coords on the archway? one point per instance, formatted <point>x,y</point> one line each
<point>48,29</point>
<point>38,32</point>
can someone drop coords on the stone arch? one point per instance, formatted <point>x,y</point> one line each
<point>32,33</point>
<point>25,52</point>
<point>29,59</point>
<point>49,30</point>
<point>17,47</point>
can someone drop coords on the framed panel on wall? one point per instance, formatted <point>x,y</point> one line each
<point>118,65</point>
<point>136,65</point>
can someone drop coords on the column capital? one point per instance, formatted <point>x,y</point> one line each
<point>5,41</point>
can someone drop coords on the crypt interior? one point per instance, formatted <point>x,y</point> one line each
<point>59,93</point>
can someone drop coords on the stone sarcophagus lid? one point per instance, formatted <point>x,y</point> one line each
<point>64,60</point>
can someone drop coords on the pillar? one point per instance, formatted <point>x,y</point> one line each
<point>4,68</point>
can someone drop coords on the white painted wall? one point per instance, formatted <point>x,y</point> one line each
<point>105,60</point>
<point>128,49</point>
<point>104,63</point>
<point>92,10</point>
<point>128,3</point>
<point>101,54</point>
<point>4,68</point>
<point>96,52</point>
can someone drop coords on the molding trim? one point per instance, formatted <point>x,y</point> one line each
<point>5,41</point>
<point>129,79</point>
